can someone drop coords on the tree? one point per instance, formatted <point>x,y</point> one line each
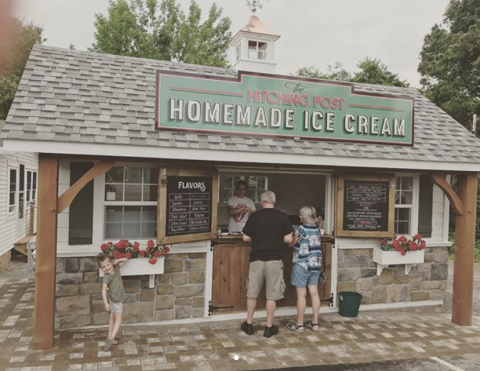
<point>450,61</point>
<point>149,29</point>
<point>16,50</point>
<point>371,71</point>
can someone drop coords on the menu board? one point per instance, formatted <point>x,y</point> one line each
<point>189,205</point>
<point>366,206</point>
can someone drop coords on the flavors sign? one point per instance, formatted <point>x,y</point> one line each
<point>281,106</point>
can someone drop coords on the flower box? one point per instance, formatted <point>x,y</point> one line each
<point>141,267</point>
<point>385,258</point>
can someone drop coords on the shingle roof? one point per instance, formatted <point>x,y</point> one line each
<point>81,97</point>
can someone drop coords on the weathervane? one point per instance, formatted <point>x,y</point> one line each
<point>254,5</point>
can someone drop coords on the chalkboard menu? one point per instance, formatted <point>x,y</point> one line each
<point>189,205</point>
<point>366,206</point>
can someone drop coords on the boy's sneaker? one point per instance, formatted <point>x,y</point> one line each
<point>247,328</point>
<point>313,326</point>
<point>108,344</point>
<point>270,331</point>
<point>115,342</point>
<point>295,327</point>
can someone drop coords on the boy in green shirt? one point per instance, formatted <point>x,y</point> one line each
<point>112,282</point>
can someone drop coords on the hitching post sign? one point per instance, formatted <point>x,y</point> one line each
<point>280,106</point>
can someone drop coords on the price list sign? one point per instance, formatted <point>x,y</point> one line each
<point>366,206</point>
<point>189,205</point>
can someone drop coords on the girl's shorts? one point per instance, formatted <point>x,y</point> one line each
<point>116,307</point>
<point>303,278</point>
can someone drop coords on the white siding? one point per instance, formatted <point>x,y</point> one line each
<point>439,222</point>
<point>10,229</point>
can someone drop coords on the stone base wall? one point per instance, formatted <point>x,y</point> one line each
<point>428,281</point>
<point>178,293</point>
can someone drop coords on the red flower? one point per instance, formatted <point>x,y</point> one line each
<point>394,235</point>
<point>157,254</point>
<point>117,254</point>
<point>403,252</point>
<point>142,253</point>
<point>418,236</point>
<point>152,261</point>
<point>395,243</point>
<point>104,247</point>
<point>423,244</point>
<point>128,255</point>
<point>150,244</point>
<point>383,241</point>
<point>166,249</point>
<point>403,239</point>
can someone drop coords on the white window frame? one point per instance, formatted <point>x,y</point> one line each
<point>413,227</point>
<point>29,192</point>
<point>254,53</point>
<point>13,212</point>
<point>105,204</point>
<point>238,52</point>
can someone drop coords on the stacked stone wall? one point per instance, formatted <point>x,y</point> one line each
<point>178,293</point>
<point>427,281</point>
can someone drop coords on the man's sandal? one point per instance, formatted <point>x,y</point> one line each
<point>313,326</point>
<point>295,327</point>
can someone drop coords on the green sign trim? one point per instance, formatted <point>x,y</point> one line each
<point>281,106</point>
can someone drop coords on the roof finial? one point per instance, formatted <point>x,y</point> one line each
<point>254,5</point>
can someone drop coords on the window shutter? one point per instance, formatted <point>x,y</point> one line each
<point>425,207</point>
<point>81,210</point>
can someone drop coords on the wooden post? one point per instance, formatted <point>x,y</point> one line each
<point>31,229</point>
<point>464,251</point>
<point>44,313</point>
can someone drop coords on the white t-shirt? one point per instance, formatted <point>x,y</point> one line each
<point>237,222</point>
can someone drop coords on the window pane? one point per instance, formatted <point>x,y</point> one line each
<point>407,197</point>
<point>149,214</point>
<point>133,175</point>
<point>407,183</point>
<point>114,175</point>
<point>150,175</point>
<point>133,193</point>
<point>113,231</point>
<point>22,178</point>
<point>21,204</point>
<point>150,193</point>
<point>148,230</point>
<point>132,213</point>
<point>402,214</point>
<point>29,180</point>
<point>113,192</point>
<point>261,182</point>
<point>402,228</point>
<point>34,180</point>
<point>34,195</point>
<point>12,198</point>
<point>113,213</point>
<point>397,197</point>
<point>131,230</point>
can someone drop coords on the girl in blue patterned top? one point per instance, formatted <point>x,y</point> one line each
<point>307,265</point>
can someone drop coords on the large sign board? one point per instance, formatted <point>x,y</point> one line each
<point>365,206</point>
<point>281,106</point>
<point>187,205</point>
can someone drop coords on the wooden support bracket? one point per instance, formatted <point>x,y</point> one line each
<point>68,196</point>
<point>455,201</point>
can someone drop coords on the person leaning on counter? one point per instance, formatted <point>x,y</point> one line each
<point>239,208</point>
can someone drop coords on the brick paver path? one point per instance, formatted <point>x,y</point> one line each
<point>216,345</point>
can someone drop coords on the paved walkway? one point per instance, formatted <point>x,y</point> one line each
<point>216,346</point>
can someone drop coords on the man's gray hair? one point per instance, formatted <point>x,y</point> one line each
<point>268,197</point>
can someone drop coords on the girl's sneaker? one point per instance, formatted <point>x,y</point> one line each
<point>313,326</point>
<point>295,327</point>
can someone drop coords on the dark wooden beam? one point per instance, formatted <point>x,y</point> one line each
<point>45,265</point>
<point>455,201</point>
<point>464,251</point>
<point>69,195</point>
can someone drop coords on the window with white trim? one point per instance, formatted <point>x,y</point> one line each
<point>238,52</point>
<point>21,193</point>
<point>257,184</point>
<point>131,202</point>
<point>257,50</point>
<point>403,205</point>
<point>31,186</point>
<point>12,190</point>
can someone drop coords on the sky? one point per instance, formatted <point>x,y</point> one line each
<point>313,32</point>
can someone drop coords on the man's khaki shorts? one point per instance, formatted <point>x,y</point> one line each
<point>272,273</point>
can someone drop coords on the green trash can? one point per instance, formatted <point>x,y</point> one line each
<point>349,303</point>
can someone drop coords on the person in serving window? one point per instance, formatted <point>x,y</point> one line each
<point>240,207</point>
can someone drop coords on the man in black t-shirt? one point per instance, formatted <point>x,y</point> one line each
<point>269,230</point>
